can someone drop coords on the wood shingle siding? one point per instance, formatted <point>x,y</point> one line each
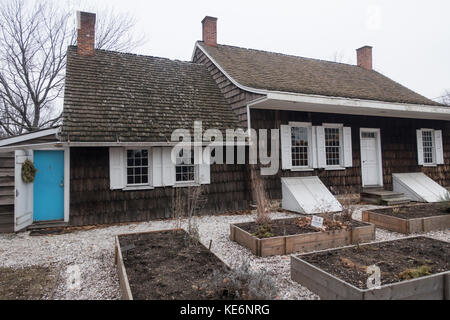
<point>235,97</point>
<point>7,192</point>
<point>92,201</point>
<point>398,144</point>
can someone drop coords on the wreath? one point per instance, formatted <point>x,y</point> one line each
<point>28,171</point>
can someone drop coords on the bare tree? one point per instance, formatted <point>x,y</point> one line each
<point>445,98</point>
<point>340,57</point>
<point>33,47</point>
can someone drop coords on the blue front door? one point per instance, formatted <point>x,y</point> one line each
<point>48,189</point>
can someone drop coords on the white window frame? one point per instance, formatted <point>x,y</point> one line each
<point>194,182</point>
<point>434,163</point>
<point>308,126</point>
<point>138,186</point>
<point>339,126</point>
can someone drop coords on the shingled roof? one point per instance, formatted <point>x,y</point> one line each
<point>131,98</point>
<point>279,72</point>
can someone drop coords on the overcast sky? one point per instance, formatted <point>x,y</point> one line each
<point>410,39</point>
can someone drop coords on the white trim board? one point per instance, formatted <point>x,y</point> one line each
<point>352,106</point>
<point>29,136</point>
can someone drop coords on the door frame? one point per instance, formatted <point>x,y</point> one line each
<point>66,178</point>
<point>17,175</point>
<point>378,152</point>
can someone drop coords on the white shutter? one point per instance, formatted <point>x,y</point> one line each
<point>439,149</point>
<point>116,168</point>
<point>321,157</point>
<point>204,167</point>
<point>157,167</point>
<point>168,167</point>
<point>348,157</point>
<point>313,148</point>
<point>286,157</point>
<point>419,147</point>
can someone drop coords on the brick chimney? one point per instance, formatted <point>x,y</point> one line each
<point>86,33</point>
<point>364,57</point>
<point>210,31</point>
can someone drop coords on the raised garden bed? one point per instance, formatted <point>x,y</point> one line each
<point>289,238</point>
<point>412,268</point>
<point>160,265</point>
<point>410,219</point>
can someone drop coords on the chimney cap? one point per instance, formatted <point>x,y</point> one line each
<point>85,14</point>
<point>209,18</point>
<point>364,47</point>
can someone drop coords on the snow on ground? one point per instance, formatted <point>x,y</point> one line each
<point>90,253</point>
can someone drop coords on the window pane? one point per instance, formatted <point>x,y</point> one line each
<point>185,168</point>
<point>299,146</point>
<point>137,166</point>
<point>332,146</point>
<point>427,142</point>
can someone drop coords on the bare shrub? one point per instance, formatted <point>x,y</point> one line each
<point>259,194</point>
<point>186,203</point>
<point>243,283</point>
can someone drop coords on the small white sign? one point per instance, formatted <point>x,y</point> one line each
<point>374,279</point>
<point>317,222</point>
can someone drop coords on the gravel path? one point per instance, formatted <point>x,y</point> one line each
<point>86,258</point>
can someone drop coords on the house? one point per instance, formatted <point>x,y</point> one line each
<point>349,125</point>
<point>110,161</point>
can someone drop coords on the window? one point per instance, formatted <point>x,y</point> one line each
<point>137,167</point>
<point>368,135</point>
<point>333,146</point>
<point>428,146</point>
<point>300,146</point>
<point>185,167</point>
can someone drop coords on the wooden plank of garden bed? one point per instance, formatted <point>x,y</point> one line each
<point>123,278</point>
<point>362,234</point>
<point>436,223</point>
<point>386,222</point>
<point>327,286</point>
<point>305,242</point>
<point>407,226</point>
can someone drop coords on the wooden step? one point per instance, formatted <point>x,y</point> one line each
<point>47,224</point>
<point>381,194</point>
<point>395,201</point>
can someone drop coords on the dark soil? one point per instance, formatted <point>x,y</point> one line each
<point>29,283</point>
<point>392,257</point>
<point>287,227</point>
<point>161,266</point>
<point>415,211</point>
